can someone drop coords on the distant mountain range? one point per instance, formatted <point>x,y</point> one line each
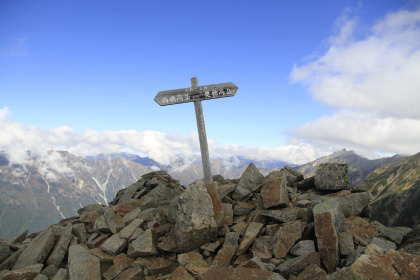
<point>396,191</point>
<point>359,166</point>
<point>37,194</point>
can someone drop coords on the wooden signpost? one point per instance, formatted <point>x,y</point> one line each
<point>195,94</point>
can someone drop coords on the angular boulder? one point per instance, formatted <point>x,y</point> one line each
<point>82,264</point>
<point>332,177</point>
<point>194,217</point>
<point>328,220</point>
<point>274,190</point>
<point>37,251</point>
<point>249,180</point>
<point>286,236</point>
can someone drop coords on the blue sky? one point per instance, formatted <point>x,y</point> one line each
<point>313,76</point>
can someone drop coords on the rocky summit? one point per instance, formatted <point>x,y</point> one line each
<point>279,226</point>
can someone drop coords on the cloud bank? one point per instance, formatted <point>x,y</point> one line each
<point>16,139</point>
<point>371,81</point>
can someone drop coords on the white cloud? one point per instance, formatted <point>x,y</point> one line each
<point>373,84</point>
<point>16,139</point>
<point>15,47</point>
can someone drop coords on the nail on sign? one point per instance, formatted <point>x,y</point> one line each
<point>184,95</point>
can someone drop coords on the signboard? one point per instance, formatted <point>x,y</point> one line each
<point>195,94</point>
<point>183,95</point>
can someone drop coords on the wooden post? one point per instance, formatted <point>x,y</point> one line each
<point>205,158</point>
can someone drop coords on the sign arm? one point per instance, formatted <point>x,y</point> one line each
<point>205,158</point>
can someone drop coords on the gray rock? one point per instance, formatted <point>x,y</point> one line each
<point>250,234</point>
<point>156,196</point>
<point>353,204</point>
<point>303,247</point>
<point>37,251</point>
<point>129,217</point>
<point>249,180</point>
<point>126,232</point>
<point>101,225</point>
<point>385,244</point>
<point>284,215</point>
<point>28,272</point>
<point>41,277</point>
<point>353,256</point>
<point>276,276</point>
<point>297,265</point>
<point>129,192</point>
<point>21,237</point>
<point>114,245</point>
<point>390,233</point>
<point>80,231</point>
<point>60,249</point>
<point>82,264</point>
<point>89,208</point>
<point>224,189</point>
<point>113,271</point>
<point>292,176</point>
<point>50,271</point>
<point>306,184</point>
<point>114,221</point>
<point>345,242</point>
<point>62,274</point>
<point>332,176</point>
<point>194,217</point>
<point>5,251</point>
<point>333,206</point>
<point>10,261</point>
<point>228,214</point>
<point>242,208</point>
<point>144,245</point>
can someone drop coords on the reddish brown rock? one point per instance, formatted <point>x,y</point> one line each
<point>154,265</point>
<point>242,208</point>
<point>217,204</point>
<point>132,273</point>
<point>123,260</point>
<point>250,234</point>
<point>239,273</point>
<point>262,249</point>
<point>123,209</point>
<point>327,240</point>
<point>312,272</point>
<point>224,257</point>
<point>181,274</point>
<point>376,264</point>
<point>96,242</point>
<point>286,236</point>
<point>168,243</point>
<point>274,190</point>
<point>161,230</point>
<point>239,228</point>
<point>328,219</point>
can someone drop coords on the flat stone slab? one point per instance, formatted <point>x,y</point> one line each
<point>37,251</point>
<point>82,264</point>
<point>286,236</point>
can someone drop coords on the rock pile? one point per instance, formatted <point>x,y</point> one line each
<point>281,226</point>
